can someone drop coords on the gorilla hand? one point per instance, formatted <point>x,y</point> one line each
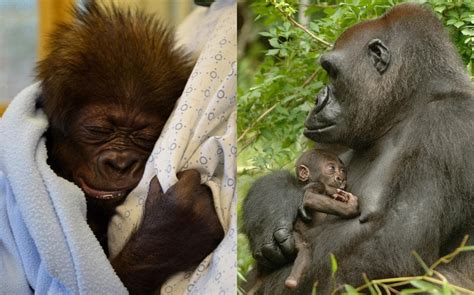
<point>179,229</point>
<point>279,248</point>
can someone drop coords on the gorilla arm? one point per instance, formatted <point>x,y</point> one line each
<point>179,229</point>
<point>269,217</point>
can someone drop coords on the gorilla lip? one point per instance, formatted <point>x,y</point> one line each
<point>323,99</point>
<point>100,194</point>
<point>318,129</point>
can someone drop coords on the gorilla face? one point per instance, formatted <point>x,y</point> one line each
<point>357,98</point>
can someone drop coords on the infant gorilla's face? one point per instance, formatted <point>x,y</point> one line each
<point>333,175</point>
<point>112,143</point>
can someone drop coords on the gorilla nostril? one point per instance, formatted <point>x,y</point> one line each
<point>338,178</point>
<point>328,66</point>
<point>119,161</point>
<point>121,164</point>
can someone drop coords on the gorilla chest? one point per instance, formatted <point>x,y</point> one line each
<point>370,178</point>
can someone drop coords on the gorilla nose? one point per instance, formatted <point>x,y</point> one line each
<point>327,62</point>
<point>122,162</point>
<point>339,179</point>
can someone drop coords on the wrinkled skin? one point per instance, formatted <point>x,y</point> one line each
<point>400,99</point>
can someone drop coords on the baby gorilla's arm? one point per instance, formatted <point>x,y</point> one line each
<point>331,205</point>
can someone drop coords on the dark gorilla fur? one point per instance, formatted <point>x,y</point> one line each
<point>109,84</point>
<point>107,46</point>
<point>399,97</point>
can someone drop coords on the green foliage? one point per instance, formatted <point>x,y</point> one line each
<point>432,282</point>
<point>458,17</point>
<point>279,78</point>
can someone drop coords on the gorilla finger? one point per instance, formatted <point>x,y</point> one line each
<point>344,193</point>
<point>303,214</point>
<point>155,186</point>
<point>154,190</point>
<point>338,197</point>
<point>285,240</point>
<point>273,254</point>
<point>187,188</point>
<point>190,177</point>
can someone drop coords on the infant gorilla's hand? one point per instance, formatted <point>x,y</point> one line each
<point>346,197</point>
<point>184,217</point>
<point>179,229</point>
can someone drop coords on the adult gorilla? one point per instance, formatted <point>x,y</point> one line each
<point>399,97</point>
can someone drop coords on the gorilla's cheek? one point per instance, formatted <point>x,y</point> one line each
<point>325,120</point>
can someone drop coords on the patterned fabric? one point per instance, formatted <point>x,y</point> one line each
<point>200,134</point>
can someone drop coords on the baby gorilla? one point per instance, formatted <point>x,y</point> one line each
<point>324,178</point>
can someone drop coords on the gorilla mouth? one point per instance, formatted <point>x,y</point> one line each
<point>317,123</point>
<point>103,194</point>
<point>322,99</point>
<point>318,129</point>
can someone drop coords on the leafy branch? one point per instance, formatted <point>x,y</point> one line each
<point>427,282</point>
<point>287,11</point>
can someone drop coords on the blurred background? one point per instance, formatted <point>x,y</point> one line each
<point>278,76</point>
<point>26,24</point>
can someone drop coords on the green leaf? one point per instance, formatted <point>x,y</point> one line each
<point>272,52</point>
<point>333,264</point>
<point>411,291</point>
<point>266,34</point>
<point>467,248</point>
<point>451,21</point>
<point>440,9</point>
<point>459,24</point>
<point>453,14</point>
<point>351,290</point>
<point>468,32</point>
<point>446,289</point>
<point>425,286</point>
<point>314,26</point>
<point>274,43</point>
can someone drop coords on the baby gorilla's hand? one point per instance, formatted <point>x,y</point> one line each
<point>179,229</point>
<point>184,217</point>
<point>346,197</point>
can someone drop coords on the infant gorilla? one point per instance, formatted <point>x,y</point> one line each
<point>324,178</point>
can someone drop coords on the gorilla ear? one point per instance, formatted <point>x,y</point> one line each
<point>379,55</point>
<point>303,173</point>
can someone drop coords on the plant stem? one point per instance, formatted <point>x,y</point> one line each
<point>297,24</point>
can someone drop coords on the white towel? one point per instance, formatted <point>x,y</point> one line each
<point>45,241</point>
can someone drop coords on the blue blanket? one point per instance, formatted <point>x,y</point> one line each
<point>46,245</point>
